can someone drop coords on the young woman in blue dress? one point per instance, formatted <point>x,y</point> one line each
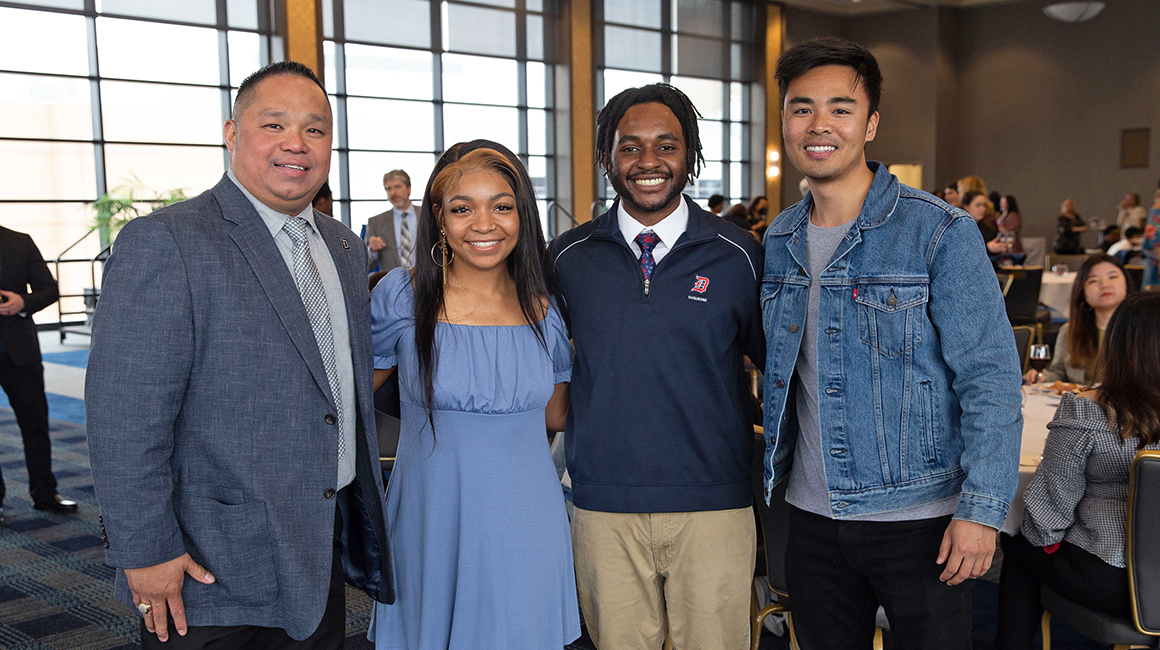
<point>482,551</point>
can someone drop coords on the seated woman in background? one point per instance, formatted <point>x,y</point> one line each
<point>1068,228</point>
<point>1009,223</point>
<point>758,208</point>
<point>1100,286</point>
<point>1072,537</point>
<point>975,204</point>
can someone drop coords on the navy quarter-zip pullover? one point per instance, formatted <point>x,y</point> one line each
<point>660,418</point>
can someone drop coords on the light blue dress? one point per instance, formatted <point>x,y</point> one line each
<point>479,535</point>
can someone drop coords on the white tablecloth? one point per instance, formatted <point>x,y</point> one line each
<point>1055,292</point>
<point>1038,410</point>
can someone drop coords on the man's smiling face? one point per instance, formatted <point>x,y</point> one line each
<point>826,122</point>
<point>649,165</point>
<point>280,142</point>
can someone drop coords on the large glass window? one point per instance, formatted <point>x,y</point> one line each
<point>126,91</point>
<point>444,71</point>
<point>705,48</point>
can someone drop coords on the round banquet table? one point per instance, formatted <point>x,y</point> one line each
<point>1038,411</point>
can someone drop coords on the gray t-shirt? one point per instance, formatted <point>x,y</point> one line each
<point>807,482</point>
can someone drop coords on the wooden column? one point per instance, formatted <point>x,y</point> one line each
<point>774,159</point>
<point>583,112</point>
<point>302,20</point>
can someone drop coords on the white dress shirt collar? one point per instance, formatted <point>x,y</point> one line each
<point>668,229</point>
<point>273,218</point>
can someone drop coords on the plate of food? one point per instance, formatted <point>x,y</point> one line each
<point>1058,388</point>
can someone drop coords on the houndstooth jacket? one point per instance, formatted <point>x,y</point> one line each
<point>1080,490</point>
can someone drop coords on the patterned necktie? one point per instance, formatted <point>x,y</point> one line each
<point>647,240</point>
<point>314,299</point>
<point>405,243</point>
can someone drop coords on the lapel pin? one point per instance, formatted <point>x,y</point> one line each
<point>345,243</point>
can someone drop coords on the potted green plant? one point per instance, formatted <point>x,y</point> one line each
<point>127,201</point>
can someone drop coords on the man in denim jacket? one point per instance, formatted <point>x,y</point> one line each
<point>892,378</point>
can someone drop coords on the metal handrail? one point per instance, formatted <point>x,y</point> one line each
<point>556,207</point>
<point>101,256</point>
<point>597,208</point>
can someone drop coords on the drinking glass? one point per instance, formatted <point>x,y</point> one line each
<point>1039,359</point>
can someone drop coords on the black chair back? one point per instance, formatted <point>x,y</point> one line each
<point>774,520</point>
<point>1023,337</point>
<point>1136,273</point>
<point>1143,550</point>
<point>1022,297</point>
<point>388,435</point>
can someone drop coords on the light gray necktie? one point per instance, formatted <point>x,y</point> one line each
<point>405,243</point>
<point>314,299</point>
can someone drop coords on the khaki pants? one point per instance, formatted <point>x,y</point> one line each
<point>687,574</point>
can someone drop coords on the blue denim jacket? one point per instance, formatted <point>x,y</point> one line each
<point>919,385</point>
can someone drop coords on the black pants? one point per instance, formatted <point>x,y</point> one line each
<point>330,635</point>
<point>25,388</point>
<point>839,572</point>
<point>1070,571</point>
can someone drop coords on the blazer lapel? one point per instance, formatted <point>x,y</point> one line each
<point>349,262</point>
<point>253,238</point>
<point>392,245</point>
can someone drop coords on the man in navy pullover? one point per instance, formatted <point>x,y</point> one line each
<point>663,306</point>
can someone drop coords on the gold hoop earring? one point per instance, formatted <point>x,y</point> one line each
<point>444,254</point>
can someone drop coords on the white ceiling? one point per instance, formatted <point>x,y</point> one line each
<point>858,7</point>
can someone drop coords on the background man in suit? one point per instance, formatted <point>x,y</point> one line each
<point>391,235</point>
<point>21,373</point>
<point>229,396</point>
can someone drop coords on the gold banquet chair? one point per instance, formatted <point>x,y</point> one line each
<point>1143,558</point>
<point>773,518</point>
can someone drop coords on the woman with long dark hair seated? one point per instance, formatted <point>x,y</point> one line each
<point>1100,286</point>
<point>1072,537</point>
<point>479,533</point>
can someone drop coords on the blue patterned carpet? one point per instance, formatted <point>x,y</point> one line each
<point>55,589</point>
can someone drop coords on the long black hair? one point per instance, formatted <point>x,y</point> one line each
<point>528,264</point>
<point>1129,369</point>
<point>659,93</point>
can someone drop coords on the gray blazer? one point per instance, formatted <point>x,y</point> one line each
<point>208,417</point>
<point>383,225</point>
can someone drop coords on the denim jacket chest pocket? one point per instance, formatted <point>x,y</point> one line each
<point>891,315</point>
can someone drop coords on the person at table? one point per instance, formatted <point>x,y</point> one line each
<point>975,204</point>
<point>1068,228</point>
<point>482,545</point>
<point>1151,245</point>
<point>1009,223</point>
<point>1100,286</point>
<point>1131,242</point>
<point>1109,237</point>
<point>1131,213</point>
<point>1072,537</point>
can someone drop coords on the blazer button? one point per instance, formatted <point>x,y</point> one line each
<point>328,493</point>
<point>330,419</point>
<point>780,384</point>
<point>793,329</point>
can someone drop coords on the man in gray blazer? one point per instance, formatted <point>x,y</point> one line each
<point>391,235</point>
<point>229,395</point>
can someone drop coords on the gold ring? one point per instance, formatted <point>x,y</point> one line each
<point>144,608</point>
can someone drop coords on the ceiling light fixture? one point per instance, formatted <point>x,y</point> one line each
<point>1073,12</point>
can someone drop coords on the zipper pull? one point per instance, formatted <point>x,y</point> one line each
<point>646,285</point>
